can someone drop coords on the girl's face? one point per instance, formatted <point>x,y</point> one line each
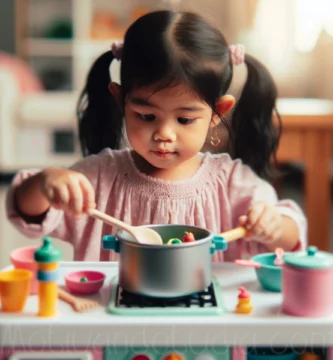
<point>167,127</point>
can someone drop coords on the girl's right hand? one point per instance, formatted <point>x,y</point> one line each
<point>68,190</point>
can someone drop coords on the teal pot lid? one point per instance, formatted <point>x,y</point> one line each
<point>310,259</point>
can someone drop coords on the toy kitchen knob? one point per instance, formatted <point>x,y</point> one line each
<point>205,357</point>
<point>173,356</point>
<point>141,357</point>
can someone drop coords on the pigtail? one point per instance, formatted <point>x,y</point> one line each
<point>255,137</point>
<point>99,115</point>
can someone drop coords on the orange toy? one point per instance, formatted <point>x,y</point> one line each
<point>244,302</point>
<point>14,289</point>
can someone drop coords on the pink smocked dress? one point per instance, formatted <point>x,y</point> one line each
<point>221,190</point>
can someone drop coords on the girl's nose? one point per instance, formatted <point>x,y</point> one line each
<point>165,133</point>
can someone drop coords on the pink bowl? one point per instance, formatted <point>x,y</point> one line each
<point>94,281</point>
<point>23,258</point>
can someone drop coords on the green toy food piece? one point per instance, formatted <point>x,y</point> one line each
<point>83,279</point>
<point>174,241</point>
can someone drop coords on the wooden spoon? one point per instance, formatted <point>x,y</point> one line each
<point>142,235</point>
<point>78,304</point>
<point>234,234</point>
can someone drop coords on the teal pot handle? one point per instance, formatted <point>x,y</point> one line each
<point>218,243</point>
<point>110,242</point>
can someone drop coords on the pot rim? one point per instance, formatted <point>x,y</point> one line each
<point>199,242</point>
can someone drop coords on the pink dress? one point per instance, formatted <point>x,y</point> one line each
<point>221,190</point>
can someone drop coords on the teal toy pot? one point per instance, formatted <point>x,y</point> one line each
<point>268,274</point>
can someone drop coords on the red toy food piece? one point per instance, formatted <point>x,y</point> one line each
<point>188,237</point>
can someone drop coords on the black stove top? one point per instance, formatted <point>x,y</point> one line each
<point>207,303</point>
<point>201,299</point>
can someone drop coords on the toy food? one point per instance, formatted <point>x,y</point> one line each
<point>174,241</point>
<point>188,237</point>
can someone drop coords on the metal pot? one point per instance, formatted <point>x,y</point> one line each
<point>307,279</point>
<point>166,270</point>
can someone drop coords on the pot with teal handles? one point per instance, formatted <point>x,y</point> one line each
<point>166,270</point>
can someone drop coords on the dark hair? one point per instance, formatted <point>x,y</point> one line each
<point>164,48</point>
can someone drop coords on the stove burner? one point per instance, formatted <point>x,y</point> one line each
<point>201,299</point>
<point>207,303</point>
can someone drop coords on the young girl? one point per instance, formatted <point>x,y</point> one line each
<point>175,73</point>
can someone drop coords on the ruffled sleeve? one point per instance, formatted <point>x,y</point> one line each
<point>55,222</point>
<point>246,188</point>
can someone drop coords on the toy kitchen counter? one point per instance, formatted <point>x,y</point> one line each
<point>204,327</point>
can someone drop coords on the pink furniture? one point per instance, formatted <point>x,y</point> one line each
<point>9,353</point>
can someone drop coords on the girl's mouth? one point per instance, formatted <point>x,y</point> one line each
<point>164,154</point>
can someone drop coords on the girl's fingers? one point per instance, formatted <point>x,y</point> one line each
<point>61,194</point>
<point>69,191</point>
<point>76,196</point>
<point>58,205</point>
<point>273,231</point>
<point>255,214</point>
<point>88,193</point>
<point>49,193</point>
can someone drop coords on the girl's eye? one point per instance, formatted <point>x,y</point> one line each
<point>146,117</point>
<point>185,121</point>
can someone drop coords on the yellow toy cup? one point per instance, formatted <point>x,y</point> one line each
<point>14,289</point>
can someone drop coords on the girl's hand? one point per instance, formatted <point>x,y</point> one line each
<point>264,223</point>
<point>67,190</point>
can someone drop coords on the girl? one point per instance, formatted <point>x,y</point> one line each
<point>175,73</point>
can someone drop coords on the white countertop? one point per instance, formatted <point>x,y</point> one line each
<point>266,325</point>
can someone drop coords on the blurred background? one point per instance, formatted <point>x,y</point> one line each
<point>47,47</point>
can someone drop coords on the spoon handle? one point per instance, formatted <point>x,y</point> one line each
<point>110,220</point>
<point>65,296</point>
<point>248,263</point>
<point>234,234</point>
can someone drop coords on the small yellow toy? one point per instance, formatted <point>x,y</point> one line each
<point>244,305</point>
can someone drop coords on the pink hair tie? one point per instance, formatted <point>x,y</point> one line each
<point>237,54</point>
<point>117,48</point>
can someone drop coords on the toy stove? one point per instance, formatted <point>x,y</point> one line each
<point>207,303</point>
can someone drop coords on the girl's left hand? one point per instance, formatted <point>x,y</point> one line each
<point>263,222</point>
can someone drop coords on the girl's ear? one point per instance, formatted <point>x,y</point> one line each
<point>115,90</point>
<point>223,107</point>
